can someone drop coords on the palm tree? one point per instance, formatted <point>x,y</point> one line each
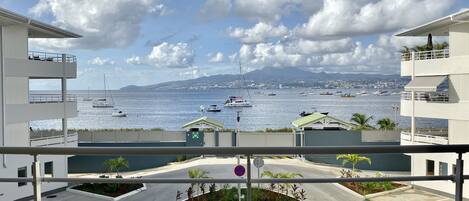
<point>386,124</point>
<point>282,175</point>
<point>197,173</point>
<point>362,121</point>
<point>117,164</point>
<point>353,159</point>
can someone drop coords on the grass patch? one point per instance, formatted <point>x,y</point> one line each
<point>108,189</point>
<point>366,188</point>
<point>231,194</point>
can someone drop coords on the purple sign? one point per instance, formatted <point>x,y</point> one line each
<point>239,170</point>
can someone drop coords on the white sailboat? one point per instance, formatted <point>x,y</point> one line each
<point>238,101</point>
<point>104,102</point>
<point>88,98</point>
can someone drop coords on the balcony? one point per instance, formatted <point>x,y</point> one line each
<point>425,137</point>
<point>50,98</point>
<point>51,57</point>
<point>440,96</point>
<point>42,65</point>
<point>52,138</point>
<point>426,55</point>
<point>42,107</point>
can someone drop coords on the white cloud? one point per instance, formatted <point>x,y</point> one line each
<point>345,17</point>
<point>104,23</point>
<point>271,55</point>
<point>135,60</point>
<point>215,9</point>
<point>216,58</point>
<point>101,61</point>
<point>168,55</point>
<point>261,32</point>
<point>305,46</point>
<point>272,10</point>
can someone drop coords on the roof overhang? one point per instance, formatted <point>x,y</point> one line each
<point>36,29</point>
<point>438,27</point>
<point>425,83</point>
<point>204,122</point>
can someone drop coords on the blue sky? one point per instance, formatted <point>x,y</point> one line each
<point>144,42</point>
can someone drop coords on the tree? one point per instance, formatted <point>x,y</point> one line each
<point>362,121</point>
<point>282,175</point>
<point>116,164</point>
<point>386,123</point>
<point>353,159</point>
<point>197,173</point>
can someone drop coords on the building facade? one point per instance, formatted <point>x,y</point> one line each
<point>438,90</point>
<point>18,106</point>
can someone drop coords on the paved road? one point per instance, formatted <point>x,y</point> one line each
<point>166,192</point>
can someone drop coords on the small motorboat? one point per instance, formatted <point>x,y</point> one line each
<point>347,95</point>
<point>213,108</point>
<point>327,93</point>
<point>119,114</point>
<point>304,113</point>
<point>271,94</point>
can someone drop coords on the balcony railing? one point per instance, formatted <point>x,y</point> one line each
<point>51,98</point>
<point>51,57</point>
<point>458,177</point>
<point>50,138</point>
<point>439,96</point>
<point>425,55</point>
<point>427,136</point>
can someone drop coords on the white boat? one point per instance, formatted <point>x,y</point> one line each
<point>119,114</point>
<point>88,97</point>
<point>237,101</point>
<point>213,108</point>
<point>104,102</point>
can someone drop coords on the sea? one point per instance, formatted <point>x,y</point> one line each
<point>170,110</point>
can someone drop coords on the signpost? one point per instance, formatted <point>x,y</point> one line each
<point>258,163</point>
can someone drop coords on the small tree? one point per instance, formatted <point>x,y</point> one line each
<point>386,123</point>
<point>282,175</point>
<point>116,164</point>
<point>362,121</point>
<point>197,173</point>
<point>353,159</point>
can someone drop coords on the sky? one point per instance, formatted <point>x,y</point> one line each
<point>141,42</point>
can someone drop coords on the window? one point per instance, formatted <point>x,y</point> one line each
<point>443,169</point>
<point>49,169</point>
<point>22,173</point>
<point>430,168</point>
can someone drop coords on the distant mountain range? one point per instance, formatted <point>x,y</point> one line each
<point>268,78</point>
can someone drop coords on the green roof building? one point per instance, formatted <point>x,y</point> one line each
<point>204,122</point>
<point>318,121</point>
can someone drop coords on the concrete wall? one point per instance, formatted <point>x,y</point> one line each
<point>382,162</point>
<point>261,139</point>
<point>131,136</point>
<point>381,136</point>
<point>88,164</point>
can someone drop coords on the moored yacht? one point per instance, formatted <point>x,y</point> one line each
<point>237,101</point>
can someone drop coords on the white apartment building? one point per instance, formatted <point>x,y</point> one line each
<point>18,107</point>
<point>424,97</point>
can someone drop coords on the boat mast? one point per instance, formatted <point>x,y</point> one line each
<point>105,95</point>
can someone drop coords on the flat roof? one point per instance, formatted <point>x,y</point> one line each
<point>438,27</point>
<point>36,28</point>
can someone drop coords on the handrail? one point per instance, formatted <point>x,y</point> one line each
<point>425,138</point>
<point>51,98</point>
<point>118,151</point>
<point>426,55</point>
<point>438,96</point>
<point>52,57</point>
<point>458,177</point>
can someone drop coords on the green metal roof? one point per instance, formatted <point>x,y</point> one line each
<point>204,120</point>
<point>315,117</point>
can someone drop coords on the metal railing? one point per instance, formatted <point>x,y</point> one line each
<point>458,177</point>
<point>439,96</point>
<point>51,98</point>
<point>426,55</point>
<point>52,57</point>
<point>429,138</point>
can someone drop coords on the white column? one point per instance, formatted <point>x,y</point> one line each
<point>64,99</point>
<point>412,123</point>
<point>2,97</point>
